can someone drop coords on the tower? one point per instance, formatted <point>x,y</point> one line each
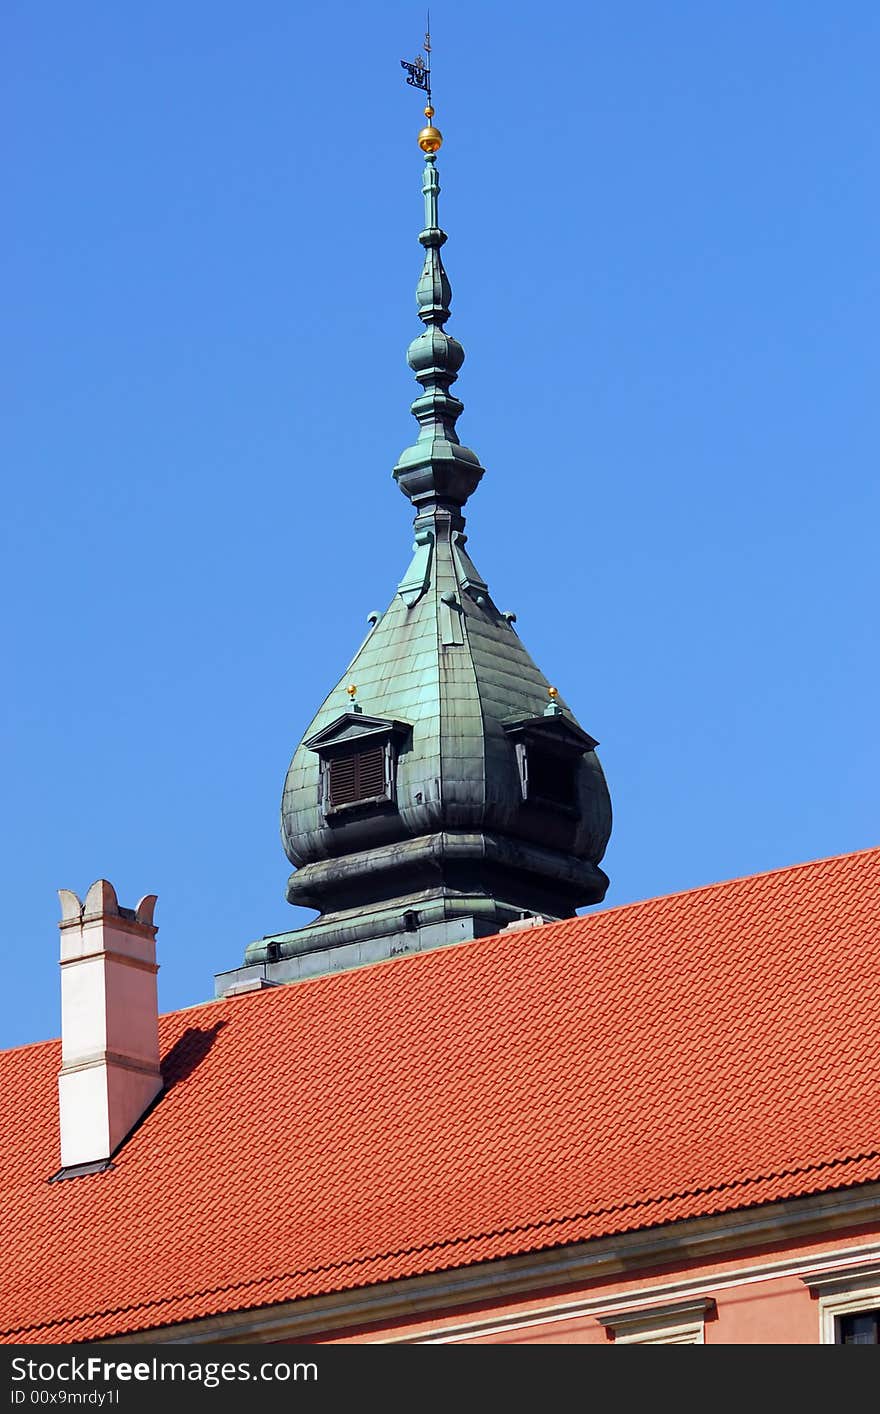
<point>444,789</point>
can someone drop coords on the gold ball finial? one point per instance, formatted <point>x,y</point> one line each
<point>553,693</point>
<point>430,138</point>
<point>352,691</point>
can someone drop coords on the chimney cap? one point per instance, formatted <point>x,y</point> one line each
<point>101,901</point>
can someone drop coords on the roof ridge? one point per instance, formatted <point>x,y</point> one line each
<point>585,918</point>
<point>30,1045</point>
<point>598,911</point>
<point>521,940</point>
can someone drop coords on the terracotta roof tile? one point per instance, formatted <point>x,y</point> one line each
<point>683,1056</point>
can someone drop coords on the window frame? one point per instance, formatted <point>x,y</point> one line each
<point>354,747</point>
<point>844,1291</point>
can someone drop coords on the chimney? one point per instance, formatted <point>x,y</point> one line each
<point>109,1021</point>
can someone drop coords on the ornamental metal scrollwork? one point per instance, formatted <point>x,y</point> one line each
<point>417,72</point>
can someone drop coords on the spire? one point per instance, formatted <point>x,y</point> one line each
<point>443,790</point>
<point>436,470</point>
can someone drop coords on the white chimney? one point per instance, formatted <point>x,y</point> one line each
<point>109,1021</point>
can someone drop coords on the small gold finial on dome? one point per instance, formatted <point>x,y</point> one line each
<point>352,691</point>
<point>553,708</point>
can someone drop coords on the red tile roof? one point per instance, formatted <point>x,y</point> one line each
<point>684,1056</point>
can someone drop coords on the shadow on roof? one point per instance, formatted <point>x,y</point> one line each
<point>188,1052</point>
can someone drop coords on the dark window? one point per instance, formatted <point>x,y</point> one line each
<point>861,1328</point>
<point>551,777</point>
<point>359,776</point>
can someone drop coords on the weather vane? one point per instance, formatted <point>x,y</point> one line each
<point>418,75</point>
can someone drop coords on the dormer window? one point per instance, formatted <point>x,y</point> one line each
<point>358,763</point>
<point>549,749</point>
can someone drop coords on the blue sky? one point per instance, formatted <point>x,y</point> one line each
<point>663,226</point>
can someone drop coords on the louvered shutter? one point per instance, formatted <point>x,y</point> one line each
<point>370,772</point>
<point>342,780</point>
<point>358,776</point>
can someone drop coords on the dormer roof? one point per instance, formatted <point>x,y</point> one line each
<point>355,727</point>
